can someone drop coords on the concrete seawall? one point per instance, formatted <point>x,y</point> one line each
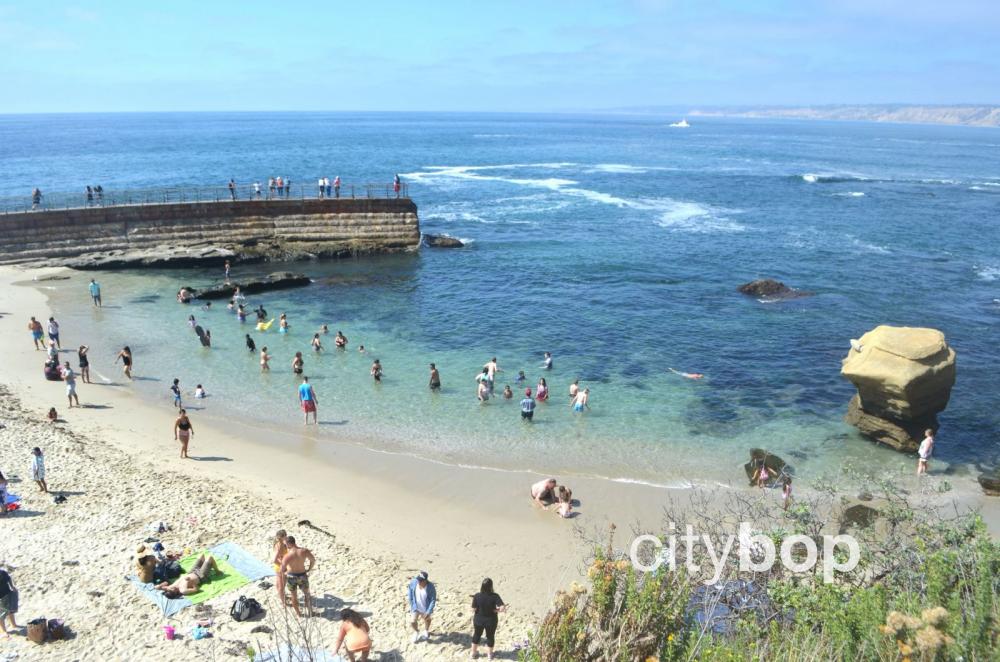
<point>181,233</point>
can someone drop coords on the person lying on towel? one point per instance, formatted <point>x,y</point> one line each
<point>187,584</point>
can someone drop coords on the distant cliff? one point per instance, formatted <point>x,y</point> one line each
<point>183,233</point>
<point>967,115</point>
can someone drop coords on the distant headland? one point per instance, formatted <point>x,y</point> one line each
<point>966,115</point>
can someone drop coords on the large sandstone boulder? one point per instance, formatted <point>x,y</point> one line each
<point>904,377</point>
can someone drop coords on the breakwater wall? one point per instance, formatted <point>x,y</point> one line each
<point>184,233</point>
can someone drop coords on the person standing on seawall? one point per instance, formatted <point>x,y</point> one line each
<point>90,195</point>
<point>36,198</point>
<point>319,184</point>
<point>95,292</point>
<point>336,186</point>
<point>232,189</point>
<point>396,185</point>
<point>485,606</point>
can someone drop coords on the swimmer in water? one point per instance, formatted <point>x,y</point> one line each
<point>580,402</point>
<point>340,341</point>
<point>507,393</point>
<point>191,321</point>
<point>241,314</point>
<point>574,388</point>
<point>324,329</point>
<point>298,364</point>
<point>316,344</point>
<point>361,349</point>
<point>207,306</point>
<point>264,358</point>
<point>542,390</point>
<point>435,378</point>
<point>199,391</point>
<point>547,363</point>
<point>261,313</point>
<point>689,375</point>
<point>520,379</point>
<point>376,371</point>
<point>283,324</point>
<point>251,345</point>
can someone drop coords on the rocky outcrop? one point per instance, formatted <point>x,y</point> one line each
<point>776,467</point>
<point>904,377</point>
<point>276,281</point>
<point>185,234</point>
<point>990,482</point>
<point>768,288</point>
<point>442,241</point>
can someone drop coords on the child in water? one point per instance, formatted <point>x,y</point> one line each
<point>507,393</point>
<point>199,392</point>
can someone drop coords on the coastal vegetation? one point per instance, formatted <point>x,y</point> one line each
<point>926,588</point>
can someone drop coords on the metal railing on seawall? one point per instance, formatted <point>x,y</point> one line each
<point>195,194</point>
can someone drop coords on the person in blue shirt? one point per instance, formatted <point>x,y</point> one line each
<point>308,400</point>
<point>527,405</point>
<point>423,598</point>
<point>95,292</point>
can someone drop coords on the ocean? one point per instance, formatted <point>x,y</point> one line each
<point>614,242</point>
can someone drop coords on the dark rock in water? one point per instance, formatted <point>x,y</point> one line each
<point>990,482</point>
<point>776,467</point>
<point>771,289</point>
<point>442,241</point>
<point>858,516</point>
<point>276,281</point>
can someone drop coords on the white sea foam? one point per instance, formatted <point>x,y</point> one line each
<point>988,273</point>
<point>867,246</point>
<point>987,187</point>
<point>834,177</point>
<point>849,194</point>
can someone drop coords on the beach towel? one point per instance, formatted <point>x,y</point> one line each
<point>237,568</point>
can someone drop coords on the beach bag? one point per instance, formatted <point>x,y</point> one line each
<point>57,629</point>
<point>37,630</point>
<point>244,609</point>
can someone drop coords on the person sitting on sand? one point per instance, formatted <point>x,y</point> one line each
<point>52,415</point>
<point>190,583</point>
<point>354,636</point>
<point>544,490</point>
<point>199,391</point>
<point>296,573</point>
<point>564,497</point>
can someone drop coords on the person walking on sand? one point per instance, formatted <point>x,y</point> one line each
<point>527,406</point>
<point>54,332</point>
<point>126,356</point>
<point>183,431</point>
<point>354,635</point>
<point>8,603</point>
<point>38,468</point>
<point>37,333</point>
<point>423,598</point>
<point>264,358</point>
<point>175,388</point>
<point>95,292</point>
<point>296,573</point>
<point>308,400</point>
<point>70,378</point>
<point>925,451</point>
<point>435,382</point>
<point>786,492</point>
<point>486,605</point>
<point>580,402</point>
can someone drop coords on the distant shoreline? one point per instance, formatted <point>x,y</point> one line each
<point>958,115</point>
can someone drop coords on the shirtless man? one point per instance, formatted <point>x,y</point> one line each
<point>296,573</point>
<point>491,371</point>
<point>435,378</point>
<point>574,388</point>
<point>36,333</point>
<point>189,583</point>
<point>544,490</point>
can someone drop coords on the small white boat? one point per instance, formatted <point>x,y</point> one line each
<point>683,124</point>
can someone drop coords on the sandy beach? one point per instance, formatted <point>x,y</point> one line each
<point>377,518</point>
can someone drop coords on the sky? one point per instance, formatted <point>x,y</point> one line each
<point>505,55</point>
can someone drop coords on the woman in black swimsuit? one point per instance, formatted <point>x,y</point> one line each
<point>84,363</point>
<point>297,363</point>
<point>126,356</point>
<point>183,431</point>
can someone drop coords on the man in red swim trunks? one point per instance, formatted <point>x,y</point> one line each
<point>308,400</point>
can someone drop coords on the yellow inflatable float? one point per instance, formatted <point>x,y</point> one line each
<point>264,326</point>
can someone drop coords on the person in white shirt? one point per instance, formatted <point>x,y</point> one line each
<point>422,597</point>
<point>321,186</point>
<point>925,450</point>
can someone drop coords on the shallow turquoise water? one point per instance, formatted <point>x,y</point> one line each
<point>615,243</point>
